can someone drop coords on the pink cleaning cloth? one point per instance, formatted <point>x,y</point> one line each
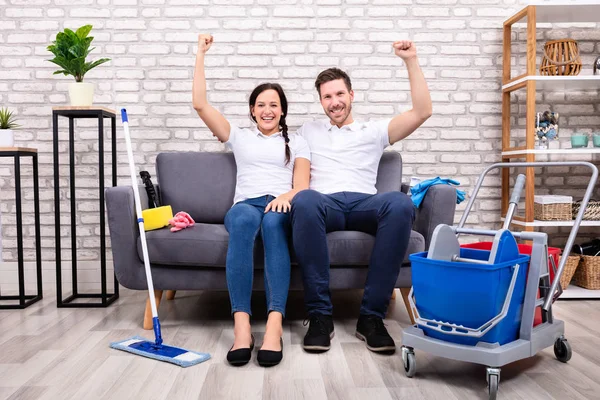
<point>180,221</point>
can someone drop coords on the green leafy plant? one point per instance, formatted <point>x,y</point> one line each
<point>7,120</point>
<point>70,50</point>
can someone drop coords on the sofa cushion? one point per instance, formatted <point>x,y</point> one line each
<point>203,184</point>
<point>206,245</point>
<point>389,173</point>
<point>198,245</point>
<point>347,248</point>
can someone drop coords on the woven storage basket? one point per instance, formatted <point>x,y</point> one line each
<point>552,208</point>
<point>561,57</point>
<point>588,273</point>
<point>569,271</point>
<point>552,212</point>
<point>592,211</point>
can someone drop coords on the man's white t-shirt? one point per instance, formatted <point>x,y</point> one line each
<point>345,159</point>
<point>260,160</point>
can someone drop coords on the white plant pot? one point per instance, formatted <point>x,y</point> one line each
<point>7,138</point>
<point>81,94</point>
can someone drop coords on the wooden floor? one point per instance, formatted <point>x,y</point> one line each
<point>50,353</point>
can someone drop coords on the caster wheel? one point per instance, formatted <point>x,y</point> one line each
<point>492,387</point>
<point>410,362</point>
<point>562,350</point>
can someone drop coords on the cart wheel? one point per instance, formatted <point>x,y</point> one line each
<point>562,350</point>
<point>410,362</point>
<point>492,386</point>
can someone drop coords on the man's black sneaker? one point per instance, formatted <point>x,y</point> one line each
<point>320,332</point>
<point>371,329</point>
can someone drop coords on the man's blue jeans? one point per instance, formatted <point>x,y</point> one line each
<point>243,222</point>
<point>387,216</point>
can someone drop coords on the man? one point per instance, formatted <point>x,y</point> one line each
<point>342,196</point>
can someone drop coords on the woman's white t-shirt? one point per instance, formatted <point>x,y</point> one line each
<point>260,160</point>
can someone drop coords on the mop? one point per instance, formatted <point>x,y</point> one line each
<point>137,344</point>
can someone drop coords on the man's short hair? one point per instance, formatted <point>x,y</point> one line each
<point>332,74</point>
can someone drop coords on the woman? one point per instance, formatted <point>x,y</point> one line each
<point>271,168</point>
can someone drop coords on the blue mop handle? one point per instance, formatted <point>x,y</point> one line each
<point>157,334</point>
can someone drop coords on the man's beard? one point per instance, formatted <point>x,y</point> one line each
<point>343,116</point>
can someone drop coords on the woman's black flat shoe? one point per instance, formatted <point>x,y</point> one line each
<point>270,358</point>
<point>242,356</point>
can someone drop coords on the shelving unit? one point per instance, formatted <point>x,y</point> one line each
<point>565,12</point>
<point>536,222</point>
<point>506,154</point>
<point>582,11</point>
<point>558,83</point>
<point>576,292</point>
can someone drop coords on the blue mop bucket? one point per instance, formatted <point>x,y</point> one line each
<point>469,294</point>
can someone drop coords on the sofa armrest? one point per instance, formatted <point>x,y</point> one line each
<point>124,234</point>
<point>438,207</point>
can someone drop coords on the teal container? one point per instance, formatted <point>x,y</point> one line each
<point>579,141</point>
<point>596,139</point>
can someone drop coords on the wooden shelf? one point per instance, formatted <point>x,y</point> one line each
<point>552,223</point>
<point>575,11</point>
<point>588,150</point>
<point>22,149</point>
<point>86,108</point>
<point>577,292</point>
<point>559,83</point>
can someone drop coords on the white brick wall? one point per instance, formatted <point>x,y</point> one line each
<point>152,44</point>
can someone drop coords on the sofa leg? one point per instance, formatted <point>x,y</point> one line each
<point>393,295</point>
<point>148,313</point>
<point>171,294</point>
<point>405,292</point>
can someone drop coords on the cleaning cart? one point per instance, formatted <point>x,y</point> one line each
<point>478,305</point>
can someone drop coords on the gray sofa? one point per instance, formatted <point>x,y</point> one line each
<point>203,184</point>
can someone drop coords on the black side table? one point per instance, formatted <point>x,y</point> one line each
<point>73,113</point>
<point>25,300</point>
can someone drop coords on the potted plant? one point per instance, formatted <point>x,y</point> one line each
<point>7,124</point>
<point>70,50</point>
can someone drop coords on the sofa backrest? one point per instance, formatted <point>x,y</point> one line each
<point>389,174</point>
<point>199,183</point>
<point>203,183</point>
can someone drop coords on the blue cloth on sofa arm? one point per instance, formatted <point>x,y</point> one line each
<point>419,191</point>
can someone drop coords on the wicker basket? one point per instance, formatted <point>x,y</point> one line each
<point>552,208</point>
<point>561,57</point>
<point>552,212</point>
<point>592,211</point>
<point>569,271</point>
<point>588,273</point>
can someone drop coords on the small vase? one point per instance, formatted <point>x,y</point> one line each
<point>7,138</point>
<point>81,94</point>
<point>597,66</point>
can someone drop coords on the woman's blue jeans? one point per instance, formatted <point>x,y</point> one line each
<point>244,221</point>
